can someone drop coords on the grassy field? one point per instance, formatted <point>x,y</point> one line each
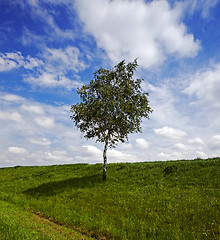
<point>151,200</point>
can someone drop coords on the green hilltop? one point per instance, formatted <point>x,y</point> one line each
<point>148,200</point>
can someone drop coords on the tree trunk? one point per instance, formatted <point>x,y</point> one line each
<point>105,161</point>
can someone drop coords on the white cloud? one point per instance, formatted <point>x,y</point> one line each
<point>88,154</point>
<point>17,150</point>
<point>201,154</point>
<point>181,146</point>
<point>58,156</point>
<point>204,6</point>
<point>59,64</point>
<point>31,63</point>
<point>162,100</point>
<point>65,59</point>
<point>197,141</point>
<point>92,154</point>
<point>125,146</point>
<point>216,139</point>
<point>50,72</point>
<point>141,143</point>
<point>215,142</point>
<point>40,135</point>
<point>170,132</point>
<point>129,29</point>
<point>7,64</point>
<point>52,80</point>
<point>9,61</point>
<point>32,109</point>
<point>51,157</point>
<point>11,98</point>
<point>205,85</point>
<point>92,151</point>
<point>170,156</point>
<point>40,141</point>
<point>45,79</point>
<point>118,156</point>
<point>11,116</point>
<point>45,122</point>
<point>46,132</point>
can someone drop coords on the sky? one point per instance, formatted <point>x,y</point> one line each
<point>48,48</point>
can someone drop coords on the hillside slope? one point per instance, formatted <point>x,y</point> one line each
<point>149,200</point>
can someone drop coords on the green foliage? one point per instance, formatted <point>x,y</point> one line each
<point>112,105</point>
<point>149,200</point>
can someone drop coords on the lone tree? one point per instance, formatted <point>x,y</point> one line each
<point>112,106</point>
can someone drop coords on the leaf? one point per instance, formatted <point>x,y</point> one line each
<point>112,104</point>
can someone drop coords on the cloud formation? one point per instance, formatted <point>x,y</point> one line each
<point>49,71</point>
<point>205,85</point>
<point>45,122</point>
<point>170,132</point>
<point>204,6</point>
<point>150,31</point>
<point>56,50</point>
<point>11,116</point>
<point>142,143</point>
<point>18,150</point>
<point>12,60</point>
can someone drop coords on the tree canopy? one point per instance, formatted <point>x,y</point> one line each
<point>112,105</point>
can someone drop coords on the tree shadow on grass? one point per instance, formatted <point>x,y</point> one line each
<point>56,187</point>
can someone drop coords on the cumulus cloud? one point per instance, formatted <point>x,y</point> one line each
<point>59,63</point>
<point>7,64</point>
<point>201,154</point>
<point>170,156</point>
<point>197,141</point>
<point>58,156</point>
<point>51,80</point>
<point>17,150</point>
<point>50,71</point>
<point>205,85</point>
<point>31,126</point>
<point>32,109</point>
<point>51,157</point>
<point>215,142</point>
<point>93,151</point>
<point>128,29</point>
<point>170,132</point>
<point>11,98</point>
<point>40,141</point>
<point>162,100</point>
<point>9,61</point>
<point>49,142</point>
<point>181,146</point>
<point>87,154</point>
<point>65,59</point>
<point>92,154</point>
<point>118,156</point>
<point>45,122</point>
<point>11,116</point>
<point>141,143</point>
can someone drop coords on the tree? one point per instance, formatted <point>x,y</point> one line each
<point>112,106</point>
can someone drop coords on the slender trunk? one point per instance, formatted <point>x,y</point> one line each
<point>105,161</point>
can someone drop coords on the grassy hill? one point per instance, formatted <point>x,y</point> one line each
<point>150,200</point>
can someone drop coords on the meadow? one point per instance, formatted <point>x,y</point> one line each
<point>148,200</point>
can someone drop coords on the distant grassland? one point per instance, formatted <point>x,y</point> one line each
<point>149,200</point>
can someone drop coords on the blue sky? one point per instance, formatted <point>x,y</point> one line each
<point>48,48</point>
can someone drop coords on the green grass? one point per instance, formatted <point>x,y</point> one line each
<point>150,200</point>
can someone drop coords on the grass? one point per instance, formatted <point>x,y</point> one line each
<point>150,200</point>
